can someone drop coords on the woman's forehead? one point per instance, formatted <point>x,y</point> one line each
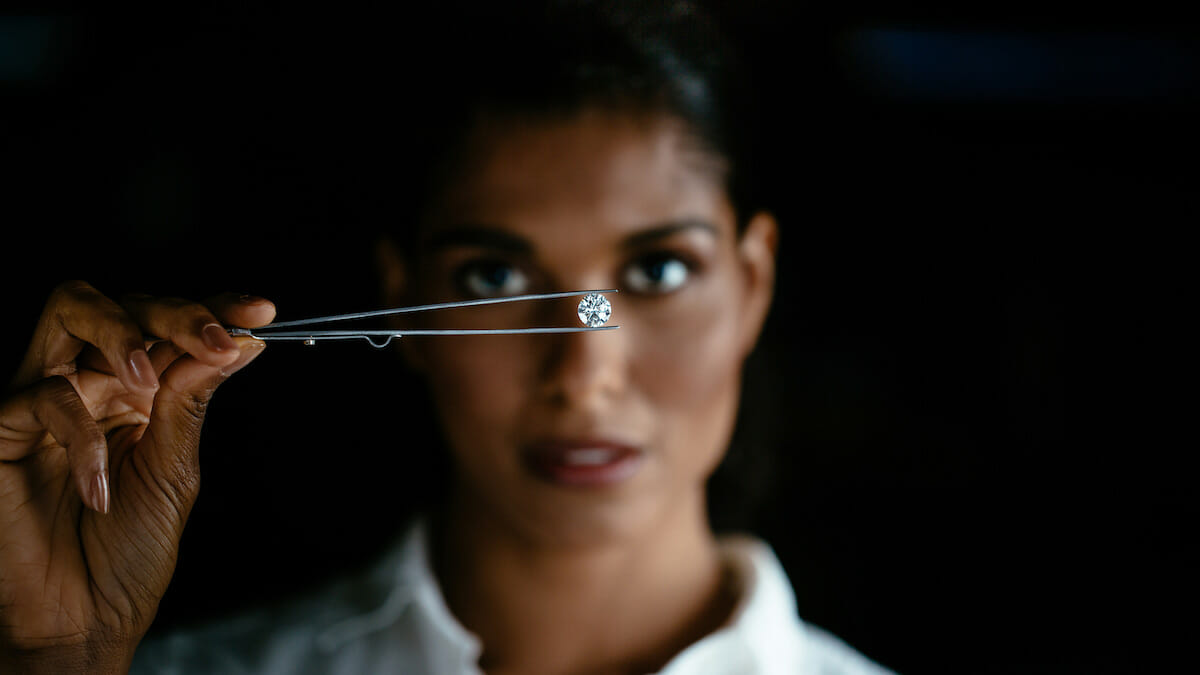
<point>598,171</point>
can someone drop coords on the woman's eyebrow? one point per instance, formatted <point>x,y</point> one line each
<point>666,229</point>
<point>497,238</point>
<point>478,236</point>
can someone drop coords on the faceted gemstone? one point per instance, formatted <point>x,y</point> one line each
<point>594,310</point>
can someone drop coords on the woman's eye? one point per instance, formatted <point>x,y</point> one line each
<point>656,274</point>
<point>487,279</point>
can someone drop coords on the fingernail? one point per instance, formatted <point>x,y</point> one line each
<point>100,492</point>
<point>216,339</point>
<point>246,299</point>
<point>143,372</point>
<point>249,350</point>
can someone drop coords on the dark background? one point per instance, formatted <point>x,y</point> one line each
<point>972,382</point>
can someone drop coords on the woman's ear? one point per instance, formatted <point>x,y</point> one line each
<point>393,272</point>
<point>757,249</point>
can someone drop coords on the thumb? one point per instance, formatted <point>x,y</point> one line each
<point>170,445</point>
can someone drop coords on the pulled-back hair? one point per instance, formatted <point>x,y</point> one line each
<point>557,58</point>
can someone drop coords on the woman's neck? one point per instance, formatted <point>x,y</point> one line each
<point>625,606</point>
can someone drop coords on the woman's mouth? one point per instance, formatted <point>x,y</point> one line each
<point>583,462</point>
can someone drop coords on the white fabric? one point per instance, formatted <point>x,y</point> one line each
<point>347,629</point>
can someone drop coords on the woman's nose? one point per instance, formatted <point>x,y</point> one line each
<point>585,369</point>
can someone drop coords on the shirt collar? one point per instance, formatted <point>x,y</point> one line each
<point>413,587</point>
<point>762,627</point>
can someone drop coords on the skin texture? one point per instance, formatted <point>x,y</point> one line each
<point>99,470</point>
<point>566,578</point>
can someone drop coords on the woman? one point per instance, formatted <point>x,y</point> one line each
<point>574,536</point>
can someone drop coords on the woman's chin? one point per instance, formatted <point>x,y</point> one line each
<point>583,514</point>
<point>591,527</point>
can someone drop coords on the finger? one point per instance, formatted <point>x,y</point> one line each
<point>52,405</point>
<point>177,417</point>
<point>231,309</point>
<point>78,315</point>
<point>250,348</point>
<point>162,354</point>
<point>189,325</point>
<point>243,311</point>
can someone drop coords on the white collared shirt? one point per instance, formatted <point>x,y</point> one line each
<point>346,629</point>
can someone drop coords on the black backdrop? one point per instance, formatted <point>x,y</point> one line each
<point>970,382</point>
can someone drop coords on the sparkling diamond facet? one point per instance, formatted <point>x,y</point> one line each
<point>594,310</point>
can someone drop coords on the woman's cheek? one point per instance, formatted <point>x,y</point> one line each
<point>689,343</point>
<point>477,382</point>
<point>689,366</point>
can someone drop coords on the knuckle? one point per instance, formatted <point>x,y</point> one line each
<point>195,406</point>
<point>79,301</point>
<point>223,302</point>
<point>70,294</point>
<point>57,391</point>
<point>192,322</point>
<point>118,321</point>
<point>63,296</point>
<point>192,406</point>
<point>196,312</point>
<point>182,317</point>
<point>72,289</point>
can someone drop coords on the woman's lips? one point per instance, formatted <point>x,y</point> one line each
<point>583,462</point>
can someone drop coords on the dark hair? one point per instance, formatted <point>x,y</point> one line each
<point>555,58</point>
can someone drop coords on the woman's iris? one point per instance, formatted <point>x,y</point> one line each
<point>656,274</point>
<point>486,279</point>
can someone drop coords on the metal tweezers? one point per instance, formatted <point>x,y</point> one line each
<point>382,338</point>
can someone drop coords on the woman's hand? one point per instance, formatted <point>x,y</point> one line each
<point>99,468</point>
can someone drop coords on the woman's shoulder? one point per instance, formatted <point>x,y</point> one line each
<point>827,654</point>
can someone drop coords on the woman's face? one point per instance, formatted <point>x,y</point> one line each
<point>583,437</point>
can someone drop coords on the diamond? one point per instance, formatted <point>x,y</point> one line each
<point>594,310</point>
